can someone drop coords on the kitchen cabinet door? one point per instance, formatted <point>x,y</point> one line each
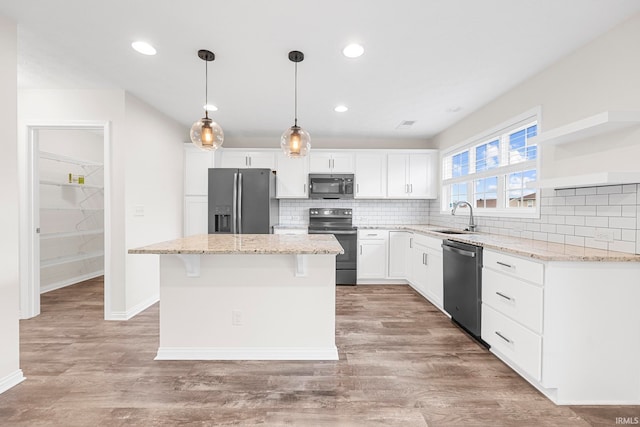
<point>399,251</point>
<point>195,215</point>
<point>370,175</point>
<point>234,159</point>
<point>372,259</point>
<point>419,274</point>
<point>292,177</point>
<point>242,159</point>
<point>435,282</point>
<point>262,160</point>
<point>422,176</point>
<point>397,176</point>
<point>330,162</point>
<point>196,170</point>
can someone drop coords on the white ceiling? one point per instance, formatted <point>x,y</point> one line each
<point>432,61</point>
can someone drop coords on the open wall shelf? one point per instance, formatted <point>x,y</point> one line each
<point>67,184</point>
<point>71,258</point>
<point>71,160</point>
<point>65,234</point>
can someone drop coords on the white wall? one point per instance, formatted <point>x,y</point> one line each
<point>145,169</point>
<point>10,373</point>
<point>600,76</point>
<point>154,183</point>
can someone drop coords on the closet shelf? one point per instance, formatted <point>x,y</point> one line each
<point>601,123</point>
<point>70,258</point>
<point>67,159</point>
<point>60,235</point>
<point>66,184</point>
<point>80,209</point>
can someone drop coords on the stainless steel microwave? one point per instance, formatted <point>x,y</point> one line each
<point>331,186</point>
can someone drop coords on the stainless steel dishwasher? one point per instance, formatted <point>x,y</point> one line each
<point>462,268</point>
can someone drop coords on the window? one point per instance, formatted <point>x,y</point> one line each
<point>494,173</point>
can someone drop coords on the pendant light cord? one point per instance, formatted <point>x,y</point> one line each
<point>206,88</point>
<point>295,103</point>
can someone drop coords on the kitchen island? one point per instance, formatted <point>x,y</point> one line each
<point>247,297</point>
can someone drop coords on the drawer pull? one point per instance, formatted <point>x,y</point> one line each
<point>504,338</point>
<point>372,234</point>
<point>504,265</point>
<point>504,296</point>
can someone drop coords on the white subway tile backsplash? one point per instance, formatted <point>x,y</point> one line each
<point>575,220</point>
<point>629,211</point>
<point>623,199</point>
<point>622,222</point>
<point>548,228</point>
<point>585,231</point>
<point>630,188</point>
<point>609,210</point>
<point>565,210</point>
<point>628,235</point>
<point>621,246</point>
<point>566,229</point>
<point>556,219</point>
<point>576,200</point>
<point>566,192</point>
<point>610,189</point>
<point>592,243</point>
<point>600,200</point>
<point>587,191</point>
<point>585,210</point>
<point>574,240</point>
<point>597,221</point>
<point>556,238</point>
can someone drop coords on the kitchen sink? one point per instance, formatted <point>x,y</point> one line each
<point>451,231</point>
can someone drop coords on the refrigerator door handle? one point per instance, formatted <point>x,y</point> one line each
<point>234,204</point>
<point>240,203</point>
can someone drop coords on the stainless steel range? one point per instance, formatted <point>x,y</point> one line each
<point>339,223</point>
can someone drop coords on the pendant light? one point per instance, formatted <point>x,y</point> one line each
<point>295,141</point>
<point>205,133</point>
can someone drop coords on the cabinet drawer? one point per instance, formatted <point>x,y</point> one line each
<point>372,234</point>
<point>517,267</point>
<point>519,300</point>
<point>515,342</point>
<point>430,242</point>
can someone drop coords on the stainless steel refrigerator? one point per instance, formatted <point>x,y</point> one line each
<point>242,201</point>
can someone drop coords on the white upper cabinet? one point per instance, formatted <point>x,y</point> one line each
<point>330,162</point>
<point>412,175</point>
<point>243,159</point>
<point>196,170</point>
<point>291,177</point>
<point>371,175</point>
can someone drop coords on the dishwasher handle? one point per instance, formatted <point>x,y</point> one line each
<point>459,251</point>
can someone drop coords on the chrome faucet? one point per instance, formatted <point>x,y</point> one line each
<point>472,225</point>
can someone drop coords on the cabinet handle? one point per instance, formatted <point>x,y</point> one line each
<point>406,188</point>
<point>410,242</point>
<point>358,188</point>
<point>304,187</point>
<point>410,188</point>
<point>424,259</point>
<point>249,161</point>
<point>504,265</point>
<point>372,234</point>
<point>360,249</point>
<point>504,296</point>
<point>504,338</point>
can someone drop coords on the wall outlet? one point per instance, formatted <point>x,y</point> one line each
<point>604,235</point>
<point>236,317</point>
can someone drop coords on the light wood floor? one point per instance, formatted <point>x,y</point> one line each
<point>402,363</point>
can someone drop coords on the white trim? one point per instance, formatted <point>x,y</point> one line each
<point>11,380</point>
<point>247,353</point>
<point>72,281</point>
<point>142,306</point>
<point>373,282</point>
<point>29,182</point>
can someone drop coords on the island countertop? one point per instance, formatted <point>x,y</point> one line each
<point>246,244</point>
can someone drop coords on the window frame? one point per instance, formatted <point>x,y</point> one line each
<point>501,132</point>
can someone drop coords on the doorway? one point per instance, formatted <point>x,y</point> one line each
<point>68,233</point>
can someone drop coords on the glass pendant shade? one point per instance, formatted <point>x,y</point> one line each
<point>295,142</point>
<point>206,134</point>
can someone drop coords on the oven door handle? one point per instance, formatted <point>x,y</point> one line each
<point>332,232</point>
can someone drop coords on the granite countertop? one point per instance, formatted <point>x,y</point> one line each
<point>537,249</point>
<point>246,244</point>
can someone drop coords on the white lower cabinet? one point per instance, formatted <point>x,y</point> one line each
<point>399,250</point>
<point>426,267</point>
<point>372,254</point>
<point>569,328</point>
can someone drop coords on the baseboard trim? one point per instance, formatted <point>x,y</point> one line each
<point>142,306</point>
<point>71,281</point>
<point>133,311</point>
<point>247,353</point>
<point>11,380</point>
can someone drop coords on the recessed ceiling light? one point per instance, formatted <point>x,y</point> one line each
<point>143,48</point>
<point>353,50</point>
<point>340,109</point>
<point>210,107</point>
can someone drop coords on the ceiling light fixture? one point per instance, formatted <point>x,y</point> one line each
<point>143,48</point>
<point>341,109</point>
<point>295,141</point>
<point>353,50</point>
<point>205,133</point>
